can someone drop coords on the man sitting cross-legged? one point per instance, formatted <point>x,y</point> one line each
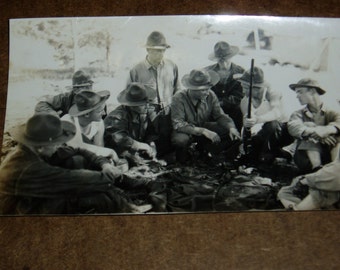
<point>34,178</point>
<point>315,127</point>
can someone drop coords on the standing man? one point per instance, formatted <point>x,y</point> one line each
<point>157,72</point>
<point>160,74</point>
<point>228,90</point>
<point>197,116</point>
<point>315,127</point>
<point>60,104</point>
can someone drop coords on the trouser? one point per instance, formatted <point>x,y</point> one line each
<point>304,164</point>
<point>270,139</point>
<point>235,113</point>
<point>310,154</point>
<point>182,141</point>
<point>163,128</point>
<point>321,198</point>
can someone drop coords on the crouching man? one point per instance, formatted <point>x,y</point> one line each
<point>34,178</point>
<point>129,128</point>
<point>197,116</point>
<point>268,123</point>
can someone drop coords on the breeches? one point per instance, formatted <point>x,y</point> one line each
<point>183,140</point>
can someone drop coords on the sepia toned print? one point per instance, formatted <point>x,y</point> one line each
<point>171,114</point>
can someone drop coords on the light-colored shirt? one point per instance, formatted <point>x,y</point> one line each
<point>327,178</point>
<point>270,104</point>
<point>270,108</point>
<point>325,184</point>
<point>301,119</point>
<point>163,79</point>
<point>91,132</point>
<point>92,138</point>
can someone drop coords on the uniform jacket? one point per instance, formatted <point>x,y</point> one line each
<point>31,185</point>
<point>228,90</point>
<point>185,116</point>
<point>60,103</point>
<point>123,127</point>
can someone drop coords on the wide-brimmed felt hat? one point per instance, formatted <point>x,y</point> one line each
<point>136,94</point>
<point>156,40</point>
<point>258,77</point>
<point>87,101</point>
<point>199,79</point>
<point>44,129</point>
<point>223,50</point>
<point>309,83</point>
<point>80,79</point>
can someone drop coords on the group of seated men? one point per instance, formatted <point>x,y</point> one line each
<point>69,153</point>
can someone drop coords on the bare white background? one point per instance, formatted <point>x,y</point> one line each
<point>115,44</point>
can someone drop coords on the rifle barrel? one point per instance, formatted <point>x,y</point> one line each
<point>250,88</point>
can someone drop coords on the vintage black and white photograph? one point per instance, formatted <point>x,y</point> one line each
<point>171,114</point>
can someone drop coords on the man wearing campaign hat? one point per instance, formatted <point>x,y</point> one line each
<point>268,120</point>
<point>197,116</point>
<point>157,72</point>
<point>60,104</point>
<point>228,90</point>
<point>315,127</point>
<point>129,128</point>
<point>86,114</point>
<point>34,178</point>
<point>161,74</point>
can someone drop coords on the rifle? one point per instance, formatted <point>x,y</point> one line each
<point>247,131</point>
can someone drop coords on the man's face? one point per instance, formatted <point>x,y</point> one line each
<point>47,151</point>
<point>142,109</point>
<point>97,114</point>
<point>155,56</point>
<point>256,93</point>
<point>200,94</point>
<point>223,61</point>
<point>304,95</point>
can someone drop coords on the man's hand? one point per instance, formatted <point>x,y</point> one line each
<point>152,114</point>
<point>144,147</point>
<point>113,156</point>
<point>249,122</point>
<point>111,171</point>
<point>330,140</point>
<point>321,132</point>
<point>213,136</point>
<point>234,134</point>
